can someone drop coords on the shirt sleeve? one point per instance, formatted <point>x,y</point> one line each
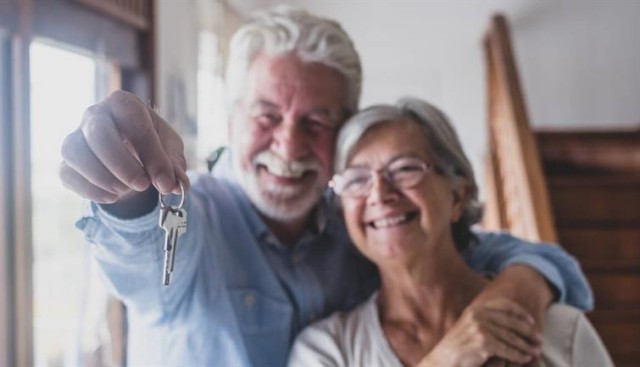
<point>130,256</point>
<point>496,251</point>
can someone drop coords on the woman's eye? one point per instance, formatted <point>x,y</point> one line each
<point>356,182</point>
<point>407,168</point>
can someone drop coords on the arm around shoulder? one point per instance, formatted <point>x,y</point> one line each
<point>495,252</point>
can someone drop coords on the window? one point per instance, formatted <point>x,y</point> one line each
<point>4,202</point>
<point>69,301</point>
<point>212,114</point>
<point>52,311</point>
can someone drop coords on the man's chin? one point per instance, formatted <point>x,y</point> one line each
<point>292,200</point>
<point>284,207</point>
<point>269,178</point>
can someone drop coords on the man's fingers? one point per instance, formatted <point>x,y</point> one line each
<point>182,177</point>
<point>511,308</point>
<point>499,349</point>
<point>516,325</point>
<point>72,180</point>
<point>104,140</point>
<point>513,339</point>
<point>78,156</point>
<point>140,127</point>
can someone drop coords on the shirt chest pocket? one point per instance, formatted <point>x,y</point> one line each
<point>265,324</point>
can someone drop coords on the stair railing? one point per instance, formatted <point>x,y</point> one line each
<point>518,200</point>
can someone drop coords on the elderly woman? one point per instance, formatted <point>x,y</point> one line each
<point>409,198</point>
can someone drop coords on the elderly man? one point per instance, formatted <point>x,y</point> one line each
<point>265,253</point>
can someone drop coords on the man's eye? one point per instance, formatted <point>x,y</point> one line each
<point>316,126</point>
<point>267,119</point>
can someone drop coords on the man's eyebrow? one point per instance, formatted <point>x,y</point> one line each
<point>263,104</point>
<point>334,117</point>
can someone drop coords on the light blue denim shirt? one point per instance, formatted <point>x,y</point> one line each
<point>238,296</point>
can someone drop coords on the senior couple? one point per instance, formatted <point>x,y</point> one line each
<point>267,249</point>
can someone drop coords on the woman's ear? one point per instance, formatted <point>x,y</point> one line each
<point>461,193</point>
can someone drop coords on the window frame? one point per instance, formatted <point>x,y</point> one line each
<point>20,21</point>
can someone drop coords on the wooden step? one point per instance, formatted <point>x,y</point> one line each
<point>589,151</point>
<point>603,200</point>
<point>620,332</point>
<point>603,249</point>
<point>615,290</point>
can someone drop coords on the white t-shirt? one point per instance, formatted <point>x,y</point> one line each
<point>356,339</point>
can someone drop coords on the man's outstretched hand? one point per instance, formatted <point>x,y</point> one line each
<point>120,150</point>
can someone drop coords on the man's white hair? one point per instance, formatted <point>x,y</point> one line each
<point>283,30</point>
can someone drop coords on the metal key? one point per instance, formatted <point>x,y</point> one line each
<point>174,222</point>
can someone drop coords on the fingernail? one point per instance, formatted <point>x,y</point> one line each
<point>141,183</point>
<point>164,183</point>
<point>108,199</point>
<point>120,189</point>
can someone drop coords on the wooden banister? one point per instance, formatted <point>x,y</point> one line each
<point>519,189</point>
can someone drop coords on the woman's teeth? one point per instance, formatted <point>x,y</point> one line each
<point>391,221</point>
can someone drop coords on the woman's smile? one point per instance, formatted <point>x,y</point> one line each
<point>392,220</point>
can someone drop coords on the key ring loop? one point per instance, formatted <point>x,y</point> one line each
<point>163,205</point>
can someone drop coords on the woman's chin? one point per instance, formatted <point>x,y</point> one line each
<point>382,252</point>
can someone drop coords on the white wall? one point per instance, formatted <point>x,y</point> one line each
<point>579,60</point>
<point>580,63</point>
<point>177,66</point>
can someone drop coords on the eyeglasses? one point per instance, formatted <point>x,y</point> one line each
<point>401,173</point>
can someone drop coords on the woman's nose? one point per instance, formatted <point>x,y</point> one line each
<point>382,191</point>
<point>289,141</point>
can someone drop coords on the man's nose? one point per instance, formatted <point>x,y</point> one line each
<point>382,191</point>
<point>290,141</point>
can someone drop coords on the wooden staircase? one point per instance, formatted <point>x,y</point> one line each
<point>578,188</point>
<point>593,180</point>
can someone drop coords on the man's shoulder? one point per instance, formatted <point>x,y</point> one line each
<point>494,236</point>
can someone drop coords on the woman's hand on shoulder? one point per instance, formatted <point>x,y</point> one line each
<point>497,328</point>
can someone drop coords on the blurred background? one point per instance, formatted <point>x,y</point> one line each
<point>576,91</point>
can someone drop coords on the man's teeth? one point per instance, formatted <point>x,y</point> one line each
<point>285,171</point>
<point>391,221</point>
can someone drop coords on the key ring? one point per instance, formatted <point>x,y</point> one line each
<point>163,205</point>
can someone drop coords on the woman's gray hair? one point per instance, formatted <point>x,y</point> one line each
<point>443,146</point>
<point>283,30</point>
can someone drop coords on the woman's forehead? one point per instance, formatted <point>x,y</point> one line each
<point>390,139</point>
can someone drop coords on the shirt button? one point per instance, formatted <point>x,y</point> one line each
<point>297,258</point>
<point>312,317</point>
<point>249,299</point>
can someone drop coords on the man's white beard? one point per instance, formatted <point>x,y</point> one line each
<point>279,202</point>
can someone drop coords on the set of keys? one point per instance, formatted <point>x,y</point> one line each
<point>173,219</point>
